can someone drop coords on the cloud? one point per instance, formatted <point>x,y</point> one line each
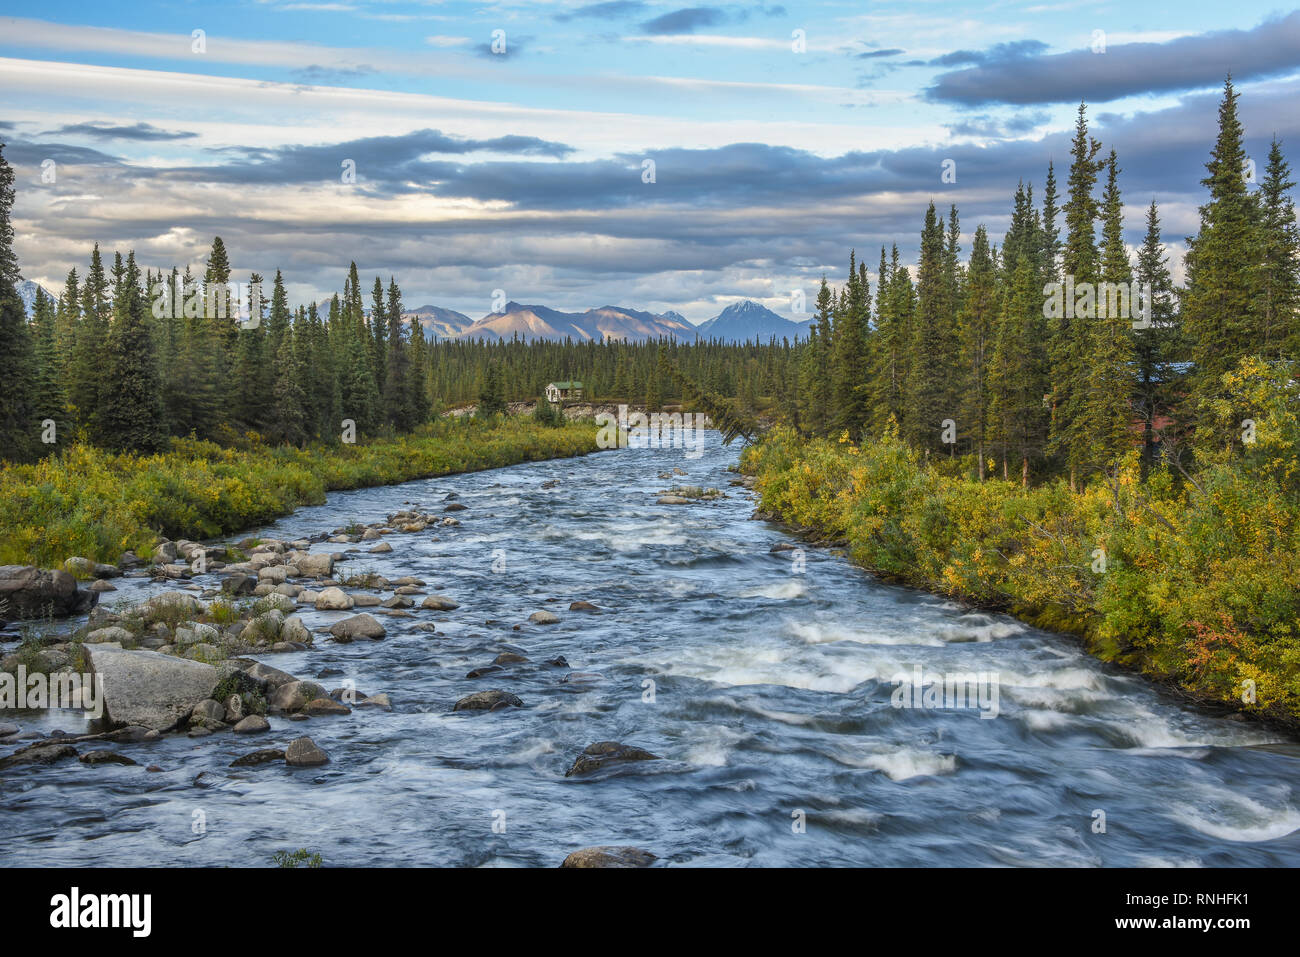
<point>687,20</point>
<point>987,127</point>
<point>140,132</point>
<point>998,53</point>
<point>1187,63</point>
<point>874,54</point>
<point>612,10</point>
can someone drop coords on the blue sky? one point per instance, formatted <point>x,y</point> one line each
<point>782,134</point>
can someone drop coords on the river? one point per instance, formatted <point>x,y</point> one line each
<point>763,679</point>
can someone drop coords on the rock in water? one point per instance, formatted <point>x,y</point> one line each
<point>253,724</point>
<point>149,689</point>
<point>43,752</point>
<point>303,753</point>
<point>265,756</point>
<point>358,626</point>
<point>609,856</point>
<point>105,757</point>
<point>30,592</point>
<point>604,753</point>
<point>488,701</point>
<point>333,599</point>
<point>438,603</point>
<point>544,618</point>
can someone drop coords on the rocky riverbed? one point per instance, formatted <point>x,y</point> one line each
<point>543,664</point>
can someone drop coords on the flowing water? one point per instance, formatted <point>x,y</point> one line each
<point>766,689</point>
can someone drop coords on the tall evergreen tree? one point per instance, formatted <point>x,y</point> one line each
<point>1109,369</point>
<point>18,426</point>
<point>850,365</point>
<point>132,413</point>
<point>978,325</point>
<point>1221,306</point>
<point>1071,337</point>
<point>1155,340</point>
<point>1279,291</point>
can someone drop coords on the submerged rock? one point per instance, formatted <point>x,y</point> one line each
<point>255,758</point>
<point>610,856</point>
<point>488,701</point>
<point>604,753</point>
<point>105,757</point>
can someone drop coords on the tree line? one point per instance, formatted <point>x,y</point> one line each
<point>980,358</point>
<point>961,357</point>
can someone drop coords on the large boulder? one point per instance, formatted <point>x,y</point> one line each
<point>30,592</point>
<point>358,626</point>
<point>313,566</point>
<point>148,689</point>
<point>333,599</point>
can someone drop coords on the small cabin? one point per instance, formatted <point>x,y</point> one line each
<point>557,392</point>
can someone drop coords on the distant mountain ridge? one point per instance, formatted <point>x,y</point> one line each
<point>747,321</point>
<point>744,321</point>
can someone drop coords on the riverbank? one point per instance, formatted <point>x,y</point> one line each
<point>1195,587</point>
<point>94,504</point>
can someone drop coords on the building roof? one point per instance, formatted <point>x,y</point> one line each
<point>566,385</point>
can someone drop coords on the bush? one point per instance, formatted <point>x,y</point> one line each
<point>1198,583</point>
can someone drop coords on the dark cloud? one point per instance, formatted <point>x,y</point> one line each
<point>142,132</point>
<point>999,53</point>
<point>613,10</point>
<point>687,20</point>
<point>987,126</point>
<point>874,54</point>
<point>679,238</point>
<point>396,162</point>
<point>1187,63</point>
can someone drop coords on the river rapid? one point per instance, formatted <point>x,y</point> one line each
<point>763,680</point>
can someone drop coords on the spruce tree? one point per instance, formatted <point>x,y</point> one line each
<point>1279,291</point>
<point>132,411</point>
<point>1109,368</point>
<point>978,323</point>
<point>850,370</point>
<point>1155,340</point>
<point>933,347</point>
<point>1221,312</point>
<point>1071,337</point>
<point>399,398</point>
<point>18,425</point>
<point>1018,374</point>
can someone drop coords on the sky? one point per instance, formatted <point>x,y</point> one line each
<point>629,152</point>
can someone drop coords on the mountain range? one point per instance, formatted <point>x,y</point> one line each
<point>740,322</point>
